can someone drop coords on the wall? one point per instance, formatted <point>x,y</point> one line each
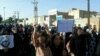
<point>83,22</point>
<point>41,20</point>
<point>74,13</point>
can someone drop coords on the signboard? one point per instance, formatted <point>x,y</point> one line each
<point>60,17</point>
<point>6,41</point>
<point>65,25</point>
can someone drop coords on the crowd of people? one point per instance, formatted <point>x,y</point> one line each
<point>37,40</point>
<point>22,38</point>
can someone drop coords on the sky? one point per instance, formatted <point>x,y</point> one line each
<point>25,7</point>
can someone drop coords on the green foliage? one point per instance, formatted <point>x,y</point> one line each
<point>20,20</point>
<point>9,20</point>
<point>12,20</point>
<point>1,18</point>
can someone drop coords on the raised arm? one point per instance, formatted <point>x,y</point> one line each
<point>70,49</point>
<point>34,38</point>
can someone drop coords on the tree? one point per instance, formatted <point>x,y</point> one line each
<point>26,18</point>
<point>10,20</point>
<point>20,20</point>
<point>1,18</point>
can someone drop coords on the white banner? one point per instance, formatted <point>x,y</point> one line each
<point>6,41</point>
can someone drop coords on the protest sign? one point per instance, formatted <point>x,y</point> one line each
<point>65,25</point>
<point>6,41</point>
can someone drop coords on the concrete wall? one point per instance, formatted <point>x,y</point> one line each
<point>47,21</point>
<point>74,13</point>
<point>41,20</point>
<point>77,13</point>
<point>83,22</point>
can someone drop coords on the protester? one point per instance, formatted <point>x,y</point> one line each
<point>68,37</point>
<point>53,30</point>
<point>77,45</point>
<point>57,45</point>
<point>7,51</point>
<point>17,41</point>
<point>86,27</point>
<point>97,52</point>
<point>79,26</point>
<point>40,42</point>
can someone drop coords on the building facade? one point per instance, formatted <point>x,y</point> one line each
<point>52,14</point>
<point>80,14</point>
<point>80,17</point>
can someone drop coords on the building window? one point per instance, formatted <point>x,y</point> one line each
<point>44,19</point>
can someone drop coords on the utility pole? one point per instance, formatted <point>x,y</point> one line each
<point>99,24</point>
<point>88,8</point>
<point>35,11</point>
<point>15,17</point>
<point>18,14</point>
<point>4,12</point>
